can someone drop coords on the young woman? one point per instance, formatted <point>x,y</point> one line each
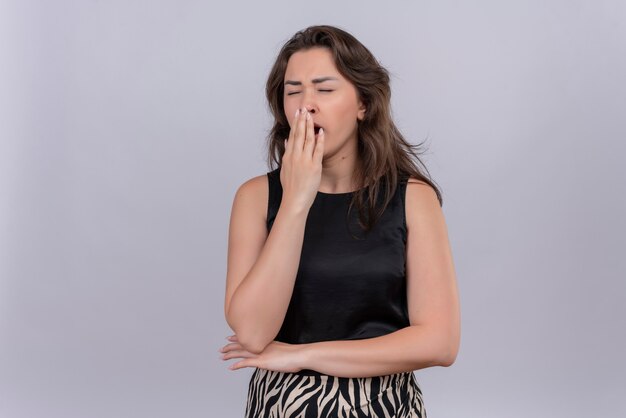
<point>340,280</point>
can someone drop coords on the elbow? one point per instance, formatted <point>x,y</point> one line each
<point>444,348</point>
<point>251,344</point>
<point>449,346</point>
<point>250,340</point>
<point>448,353</point>
<point>248,337</point>
<point>447,359</point>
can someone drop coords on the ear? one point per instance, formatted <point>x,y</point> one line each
<point>361,113</point>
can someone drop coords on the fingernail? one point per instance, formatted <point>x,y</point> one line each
<point>321,132</point>
<point>308,116</point>
<point>297,112</point>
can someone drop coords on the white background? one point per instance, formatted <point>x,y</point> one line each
<point>127,126</point>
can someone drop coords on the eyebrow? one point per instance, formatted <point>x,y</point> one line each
<point>314,81</point>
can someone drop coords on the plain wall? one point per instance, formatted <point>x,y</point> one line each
<point>127,126</point>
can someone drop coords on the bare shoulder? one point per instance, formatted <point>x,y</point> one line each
<point>253,195</point>
<point>255,185</point>
<point>422,205</point>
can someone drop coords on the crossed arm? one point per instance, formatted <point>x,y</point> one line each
<point>432,339</point>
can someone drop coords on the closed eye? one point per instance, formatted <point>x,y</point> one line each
<point>296,92</point>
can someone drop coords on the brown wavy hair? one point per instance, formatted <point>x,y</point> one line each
<point>384,156</point>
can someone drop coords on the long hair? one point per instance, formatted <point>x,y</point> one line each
<point>384,156</point>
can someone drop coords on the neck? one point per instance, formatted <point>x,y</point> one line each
<point>338,170</point>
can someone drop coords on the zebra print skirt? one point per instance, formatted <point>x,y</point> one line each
<point>310,394</point>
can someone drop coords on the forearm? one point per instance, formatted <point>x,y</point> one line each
<point>411,348</point>
<point>259,304</point>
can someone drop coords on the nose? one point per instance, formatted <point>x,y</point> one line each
<point>308,101</point>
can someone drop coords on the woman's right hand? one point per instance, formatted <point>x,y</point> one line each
<point>301,169</point>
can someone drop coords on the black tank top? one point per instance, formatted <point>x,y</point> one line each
<point>346,288</point>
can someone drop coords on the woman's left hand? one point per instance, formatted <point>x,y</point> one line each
<point>277,356</point>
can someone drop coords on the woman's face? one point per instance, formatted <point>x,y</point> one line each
<point>312,81</point>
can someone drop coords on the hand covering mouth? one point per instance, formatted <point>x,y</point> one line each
<point>316,128</point>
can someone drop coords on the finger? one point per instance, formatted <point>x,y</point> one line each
<point>232,337</point>
<point>294,128</point>
<point>249,362</point>
<point>294,122</point>
<point>238,354</point>
<point>286,145</point>
<point>309,143</point>
<point>318,153</point>
<point>231,346</point>
<point>298,143</point>
<point>241,364</point>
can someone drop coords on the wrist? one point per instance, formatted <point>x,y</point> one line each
<point>292,211</point>
<point>304,356</point>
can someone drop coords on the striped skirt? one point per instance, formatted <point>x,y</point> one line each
<point>310,394</point>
